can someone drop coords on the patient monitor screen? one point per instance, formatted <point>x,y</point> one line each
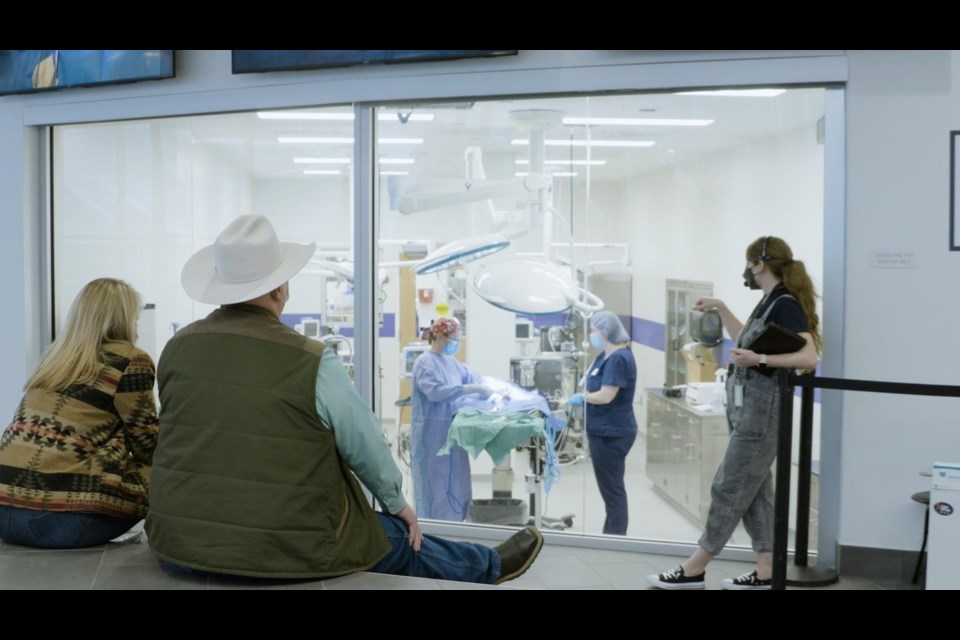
<point>524,331</point>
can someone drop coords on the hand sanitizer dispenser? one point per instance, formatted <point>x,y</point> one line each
<point>720,392</point>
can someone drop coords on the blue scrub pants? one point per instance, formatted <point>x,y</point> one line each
<point>60,529</point>
<point>609,455</point>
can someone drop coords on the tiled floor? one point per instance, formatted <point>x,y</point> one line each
<point>131,565</point>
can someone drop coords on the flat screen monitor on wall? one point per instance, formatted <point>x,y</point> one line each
<point>29,70</point>
<point>257,60</point>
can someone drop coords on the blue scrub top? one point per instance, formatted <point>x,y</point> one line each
<point>616,418</point>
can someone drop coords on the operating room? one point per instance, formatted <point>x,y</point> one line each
<point>520,218</point>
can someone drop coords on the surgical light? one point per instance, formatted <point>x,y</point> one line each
<point>460,252</point>
<point>532,286</point>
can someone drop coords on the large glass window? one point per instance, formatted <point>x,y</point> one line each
<point>134,200</point>
<point>645,201</point>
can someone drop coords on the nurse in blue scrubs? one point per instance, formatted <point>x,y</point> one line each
<point>611,382</point>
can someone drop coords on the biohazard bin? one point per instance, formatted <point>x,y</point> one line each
<point>503,511</point>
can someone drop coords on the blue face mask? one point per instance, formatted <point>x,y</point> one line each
<point>451,347</point>
<point>597,341</point>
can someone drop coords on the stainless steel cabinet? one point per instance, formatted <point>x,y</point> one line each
<point>684,450</point>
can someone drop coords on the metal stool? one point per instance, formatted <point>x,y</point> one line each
<point>923,497</point>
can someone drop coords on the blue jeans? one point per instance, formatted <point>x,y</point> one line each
<point>609,454</point>
<point>60,529</point>
<point>437,558</point>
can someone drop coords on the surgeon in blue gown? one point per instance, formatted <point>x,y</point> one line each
<point>441,484</point>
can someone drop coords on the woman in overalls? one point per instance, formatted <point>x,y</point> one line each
<point>743,486</point>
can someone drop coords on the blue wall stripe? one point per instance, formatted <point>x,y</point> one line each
<point>642,331</point>
<point>651,334</point>
<point>387,330</point>
<point>646,332</point>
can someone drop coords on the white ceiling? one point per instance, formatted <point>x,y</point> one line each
<point>246,138</point>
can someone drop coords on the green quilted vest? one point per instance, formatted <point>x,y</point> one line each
<point>246,478</point>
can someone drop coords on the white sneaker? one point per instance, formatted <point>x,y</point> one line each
<point>676,579</point>
<point>746,582</point>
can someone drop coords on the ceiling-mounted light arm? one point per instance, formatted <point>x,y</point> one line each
<point>588,304</point>
<point>622,246</point>
<point>426,202</point>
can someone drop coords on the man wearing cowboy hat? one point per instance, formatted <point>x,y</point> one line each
<point>261,433</point>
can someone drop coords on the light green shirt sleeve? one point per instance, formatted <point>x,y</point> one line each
<point>357,432</point>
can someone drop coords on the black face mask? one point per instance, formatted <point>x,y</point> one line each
<point>750,280</point>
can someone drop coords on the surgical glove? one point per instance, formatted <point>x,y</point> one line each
<point>576,400</point>
<point>480,389</point>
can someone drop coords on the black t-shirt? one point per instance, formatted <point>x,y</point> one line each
<point>788,313</point>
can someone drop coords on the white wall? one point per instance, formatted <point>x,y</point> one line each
<point>901,107</point>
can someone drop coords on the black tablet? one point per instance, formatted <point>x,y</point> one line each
<point>775,339</point>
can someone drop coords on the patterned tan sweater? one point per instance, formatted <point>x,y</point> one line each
<point>87,448</point>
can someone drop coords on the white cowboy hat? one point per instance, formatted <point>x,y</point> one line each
<point>244,263</point>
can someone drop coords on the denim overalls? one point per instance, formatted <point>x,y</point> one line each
<point>743,486</point>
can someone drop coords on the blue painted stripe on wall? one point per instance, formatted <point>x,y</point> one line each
<point>545,320</point>
<point>387,330</point>
<point>651,334</point>
<point>646,332</point>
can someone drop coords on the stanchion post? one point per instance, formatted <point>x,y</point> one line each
<point>781,503</point>
<point>802,542</point>
<point>802,573</point>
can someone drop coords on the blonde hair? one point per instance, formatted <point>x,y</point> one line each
<point>792,273</point>
<point>106,310</point>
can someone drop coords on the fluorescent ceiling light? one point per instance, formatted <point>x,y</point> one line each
<point>320,140</point>
<point>588,143</point>
<point>394,173</point>
<point>639,122</point>
<point>303,115</point>
<point>592,163</point>
<point>556,174</point>
<point>338,116</point>
<point>313,140</point>
<point>737,93</point>
<point>322,160</point>
<point>413,117</point>
<point>396,160</point>
<point>321,172</point>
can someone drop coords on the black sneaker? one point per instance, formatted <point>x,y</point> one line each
<point>676,579</point>
<point>746,582</point>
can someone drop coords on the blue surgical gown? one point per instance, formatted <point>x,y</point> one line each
<point>441,484</point>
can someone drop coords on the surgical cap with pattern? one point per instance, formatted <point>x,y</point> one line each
<point>442,328</point>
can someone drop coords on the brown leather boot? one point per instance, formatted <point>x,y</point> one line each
<point>518,552</point>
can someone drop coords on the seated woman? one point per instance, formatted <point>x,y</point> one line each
<point>75,461</point>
